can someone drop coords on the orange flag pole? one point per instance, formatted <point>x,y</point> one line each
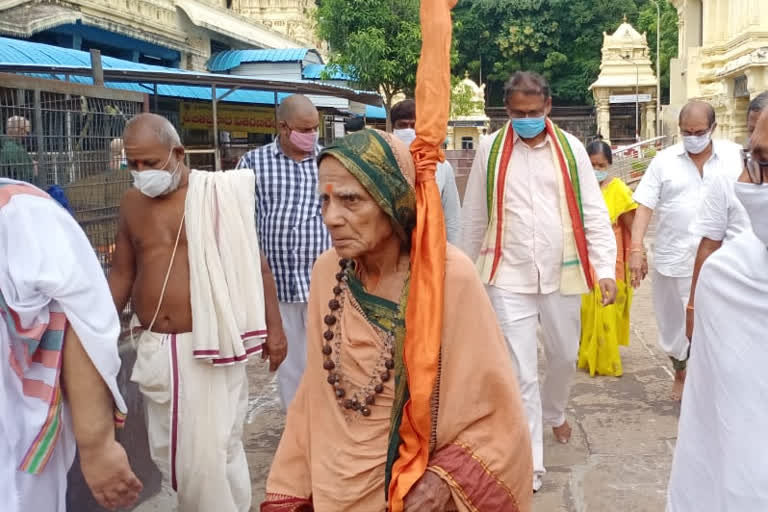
<point>424,314</point>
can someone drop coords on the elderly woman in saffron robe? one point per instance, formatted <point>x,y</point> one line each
<point>342,436</point>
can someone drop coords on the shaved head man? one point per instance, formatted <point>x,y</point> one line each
<point>291,229</point>
<point>152,269</point>
<point>673,186</point>
<point>298,122</point>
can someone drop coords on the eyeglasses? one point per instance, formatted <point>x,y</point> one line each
<point>756,169</point>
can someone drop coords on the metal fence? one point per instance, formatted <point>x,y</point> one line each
<point>631,161</point>
<point>66,134</point>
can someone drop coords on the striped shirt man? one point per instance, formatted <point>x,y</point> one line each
<point>290,222</point>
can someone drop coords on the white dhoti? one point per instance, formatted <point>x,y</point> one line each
<point>195,413</point>
<point>560,319</point>
<point>721,453</point>
<point>670,297</point>
<point>294,316</point>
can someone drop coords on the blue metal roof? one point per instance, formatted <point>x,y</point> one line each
<point>14,51</point>
<point>230,59</point>
<point>375,112</point>
<point>314,72</point>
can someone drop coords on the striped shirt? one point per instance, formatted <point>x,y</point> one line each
<point>289,217</point>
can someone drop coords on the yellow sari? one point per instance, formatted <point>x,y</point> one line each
<point>603,329</point>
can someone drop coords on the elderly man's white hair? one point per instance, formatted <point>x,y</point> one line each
<point>165,131</point>
<point>18,124</point>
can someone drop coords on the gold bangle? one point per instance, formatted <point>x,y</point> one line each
<point>637,250</point>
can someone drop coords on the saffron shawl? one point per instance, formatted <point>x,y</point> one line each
<point>575,276</point>
<point>385,169</point>
<point>331,459</point>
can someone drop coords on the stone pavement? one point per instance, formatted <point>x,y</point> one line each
<point>623,432</point>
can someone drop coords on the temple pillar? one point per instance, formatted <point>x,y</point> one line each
<point>604,118</point>
<point>649,131</point>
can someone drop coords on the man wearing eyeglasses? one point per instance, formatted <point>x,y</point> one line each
<point>721,215</point>
<point>719,463</point>
<point>673,187</point>
<point>535,222</point>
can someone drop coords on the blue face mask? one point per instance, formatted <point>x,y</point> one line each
<point>601,176</point>
<point>529,127</point>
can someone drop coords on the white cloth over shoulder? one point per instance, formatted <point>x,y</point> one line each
<point>720,457</point>
<point>226,287</point>
<point>721,214</point>
<point>49,277</point>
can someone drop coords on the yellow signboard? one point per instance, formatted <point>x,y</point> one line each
<point>231,118</point>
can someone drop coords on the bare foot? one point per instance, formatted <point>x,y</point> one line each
<point>562,433</point>
<point>677,387</point>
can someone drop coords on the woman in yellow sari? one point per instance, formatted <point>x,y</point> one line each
<point>604,328</point>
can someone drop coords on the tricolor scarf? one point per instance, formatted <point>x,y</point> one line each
<point>36,359</point>
<point>575,278</point>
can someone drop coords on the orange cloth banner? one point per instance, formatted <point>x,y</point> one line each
<point>424,314</point>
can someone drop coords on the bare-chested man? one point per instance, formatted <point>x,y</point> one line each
<point>151,268</point>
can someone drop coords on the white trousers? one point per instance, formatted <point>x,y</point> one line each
<point>289,374</point>
<point>670,297</point>
<point>560,319</point>
<point>195,414</point>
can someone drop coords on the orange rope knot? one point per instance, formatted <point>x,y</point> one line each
<point>426,156</point>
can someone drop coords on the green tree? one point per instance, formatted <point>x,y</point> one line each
<point>561,39</point>
<point>378,42</point>
<point>647,23</point>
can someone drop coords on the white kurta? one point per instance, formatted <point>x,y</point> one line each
<point>721,214</point>
<point>720,457</point>
<point>532,256</point>
<point>46,265</point>
<point>674,189</point>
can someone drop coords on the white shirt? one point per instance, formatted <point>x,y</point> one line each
<point>721,215</point>
<point>673,187</point>
<point>449,197</point>
<point>532,255</point>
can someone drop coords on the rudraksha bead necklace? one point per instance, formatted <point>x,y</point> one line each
<point>362,399</point>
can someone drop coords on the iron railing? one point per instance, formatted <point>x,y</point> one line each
<point>70,135</point>
<point>631,161</point>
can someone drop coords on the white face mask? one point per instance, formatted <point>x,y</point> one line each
<point>695,144</point>
<point>157,182</point>
<point>407,135</point>
<point>754,198</point>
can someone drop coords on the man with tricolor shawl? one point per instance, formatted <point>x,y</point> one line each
<point>408,402</point>
<point>58,360</point>
<point>534,220</point>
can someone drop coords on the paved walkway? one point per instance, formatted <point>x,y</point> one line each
<point>624,430</point>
